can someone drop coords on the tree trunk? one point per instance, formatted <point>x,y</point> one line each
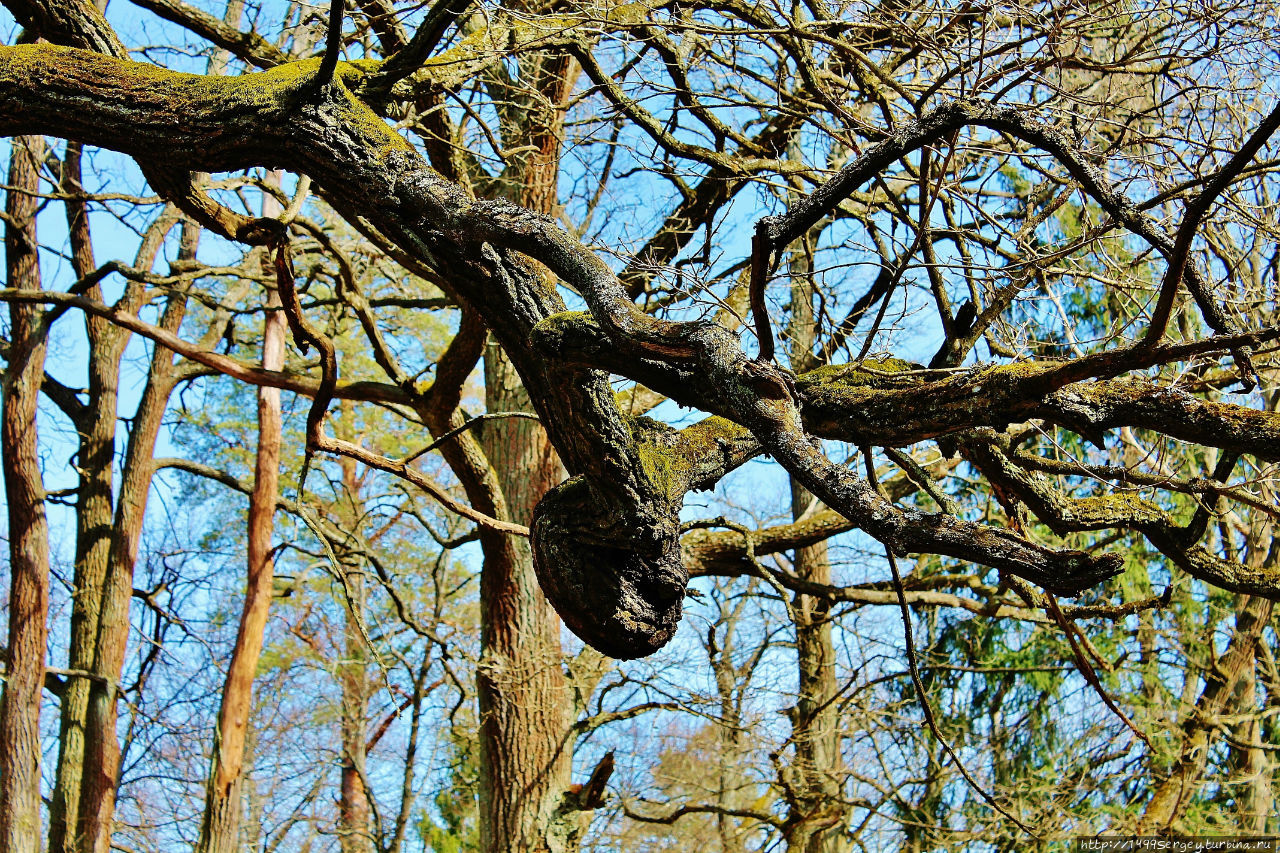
<point>353,819</point>
<point>96,425</point>
<point>219,832</point>
<point>89,751</point>
<point>815,826</point>
<point>525,750</point>
<point>1220,693</point>
<point>814,725</point>
<point>251,833</point>
<point>102,748</point>
<point>731,751</point>
<point>353,805</point>
<point>526,744</point>
<point>1252,770</point>
<point>20,830</point>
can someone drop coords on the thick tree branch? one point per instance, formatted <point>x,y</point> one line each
<point>887,403</point>
<point>81,24</point>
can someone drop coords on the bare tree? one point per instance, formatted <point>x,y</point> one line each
<point>1072,192</point>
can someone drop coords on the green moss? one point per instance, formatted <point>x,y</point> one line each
<point>870,372</point>
<point>274,91</point>
<point>557,323</point>
<point>1119,508</point>
<point>663,468</point>
<point>672,460</point>
<point>567,328</point>
<point>846,385</point>
<point>704,438</point>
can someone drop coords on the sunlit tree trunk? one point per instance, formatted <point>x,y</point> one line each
<point>353,805</point>
<point>95,424</point>
<point>814,723</point>
<point>525,700</point>
<point>353,830</point>
<point>20,830</point>
<point>251,831</point>
<point>102,747</point>
<point>107,541</point>
<point>220,829</point>
<point>523,696</point>
<point>525,755</point>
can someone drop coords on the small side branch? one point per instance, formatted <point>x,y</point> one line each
<point>332,46</point>
<point>1196,211</point>
<point>762,249</point>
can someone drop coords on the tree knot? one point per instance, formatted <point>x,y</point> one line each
<point>614,574</point>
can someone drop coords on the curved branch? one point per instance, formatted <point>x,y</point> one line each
<point>1126,510</point>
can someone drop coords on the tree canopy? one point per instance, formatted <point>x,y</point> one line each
<point>839,308</point>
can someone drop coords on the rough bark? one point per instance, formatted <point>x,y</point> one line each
<point>96,426</point>
<point>815,821</point>
<point>814,826</point>
<point>732,784</point>
<point>102,747</point>
<point>89,752</point>
<point>353,798</point>
<point>525,752</point>
<point>605,544</point>
<point>1254,768</point>
<point>525,704</point>
<point>20,823</point>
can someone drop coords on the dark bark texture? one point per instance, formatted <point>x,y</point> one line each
<point>20,823</point>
